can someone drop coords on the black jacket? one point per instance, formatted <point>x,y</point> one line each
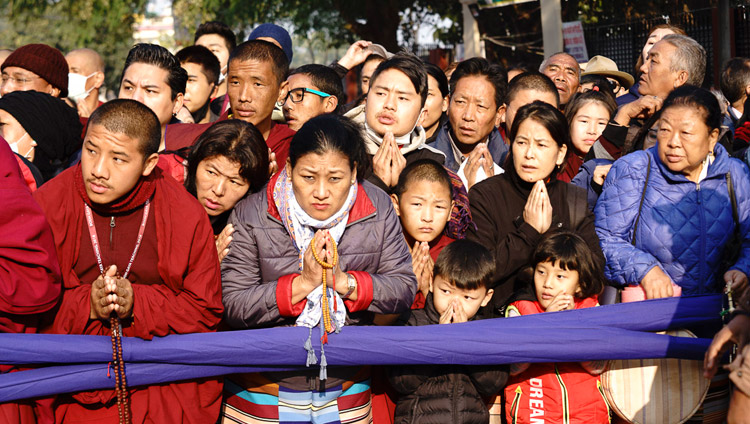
<point>450,394</point>
<point>497,205</point>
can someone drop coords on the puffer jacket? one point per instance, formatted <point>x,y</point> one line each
<point>449,394</point>
<point>683,228</point>
<point>257,273</point>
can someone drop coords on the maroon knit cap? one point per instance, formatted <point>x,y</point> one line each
<point>43,60</point>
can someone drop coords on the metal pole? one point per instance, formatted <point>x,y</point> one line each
<point>551,27</point>
<point>725,40</point>
<point>473,46</point>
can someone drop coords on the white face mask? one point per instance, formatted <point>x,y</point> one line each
<point>14,147</point>
<point>77,86</point>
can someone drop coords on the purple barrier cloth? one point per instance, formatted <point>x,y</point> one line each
<point>607,332</point>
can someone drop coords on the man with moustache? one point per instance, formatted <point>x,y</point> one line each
<point>133,243</point>
<point>565,73</point>
<point>477,105</point>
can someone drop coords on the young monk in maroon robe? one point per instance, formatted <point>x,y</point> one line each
<point>29,273</point>
<point>117,200</point>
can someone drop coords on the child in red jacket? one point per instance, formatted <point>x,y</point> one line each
<point>566,276</point>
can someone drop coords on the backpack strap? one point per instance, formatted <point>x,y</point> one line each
<point>733,199</point>
<point>643,196</point>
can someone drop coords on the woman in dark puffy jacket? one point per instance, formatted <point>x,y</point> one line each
<point>271,276</point>
<point>666,216</point>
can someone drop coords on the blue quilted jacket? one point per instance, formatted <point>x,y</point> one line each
<point>683,227</point>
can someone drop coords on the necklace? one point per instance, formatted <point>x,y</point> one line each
<point>121,388</point>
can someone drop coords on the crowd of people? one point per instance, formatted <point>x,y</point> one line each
<point>223,190</point>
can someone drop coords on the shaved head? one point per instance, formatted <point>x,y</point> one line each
<point>86,60</point>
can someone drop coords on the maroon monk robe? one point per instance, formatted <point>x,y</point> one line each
<point>179,136</point>
<point>176,285</point>
<point>29,273</point>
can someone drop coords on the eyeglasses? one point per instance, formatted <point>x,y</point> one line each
<point>298,94</point>
<point>21,81</point>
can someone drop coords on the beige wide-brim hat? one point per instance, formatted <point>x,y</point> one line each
<point>600,65</point>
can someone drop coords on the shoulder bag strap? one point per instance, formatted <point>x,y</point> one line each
<point>643,196</point>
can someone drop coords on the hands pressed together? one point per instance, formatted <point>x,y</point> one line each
<point>480,157</point>
<point>388,161</point>
<point>111,293</point>
<point>422,264</point>
<point>538,209</point>
<point>311,276</point>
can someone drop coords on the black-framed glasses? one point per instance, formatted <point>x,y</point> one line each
<point>298,94</point>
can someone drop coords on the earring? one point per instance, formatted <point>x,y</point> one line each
<point>352,182</point>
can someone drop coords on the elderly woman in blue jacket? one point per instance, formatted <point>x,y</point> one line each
<point>665,215</point>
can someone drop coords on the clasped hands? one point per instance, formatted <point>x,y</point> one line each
<point>111,293</point>
<point>312,271</point>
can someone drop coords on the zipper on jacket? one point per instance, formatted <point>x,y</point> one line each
<point>111,230</point>
<point>516,403</point>
<point>564,397</point>
<point>701,214</point>
<point>414,410</point>
<point>454,401</point>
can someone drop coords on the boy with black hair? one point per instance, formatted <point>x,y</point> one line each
<point>390,118</point>
<point>313,90</point>
<point>423,202</point>
<point>220,39</point>
<point>451,393</point>
<point>203,71</point>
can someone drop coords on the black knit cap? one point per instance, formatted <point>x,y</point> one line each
<point>43,60</point>
<point>53,124</point>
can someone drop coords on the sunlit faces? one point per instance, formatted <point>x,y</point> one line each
<point>654,38</point>
<point>112,164</point>
<point>657,79</point>
<point>218,47</point>
<point>435,105</point>
<point>551,280</point>
<point>535,153</point>
<point>218,184</point>
<point>253,91</point>
<point>311,105</point>
<point>321,183</point>
<point>198,90</point>
<point>444,293</point>
<point>684,140</point>
<point>472,112</point>
<point>19,79</point>
<point>392,104</point>
<point>366,73</point>
<point>587,125</point>
<point>19,140</point>
<point>564,71</point>
<point>523,98</point>
<point>424,209</point>
<point>148,84</point>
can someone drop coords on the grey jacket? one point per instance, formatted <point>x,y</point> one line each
<point>262,261</point>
